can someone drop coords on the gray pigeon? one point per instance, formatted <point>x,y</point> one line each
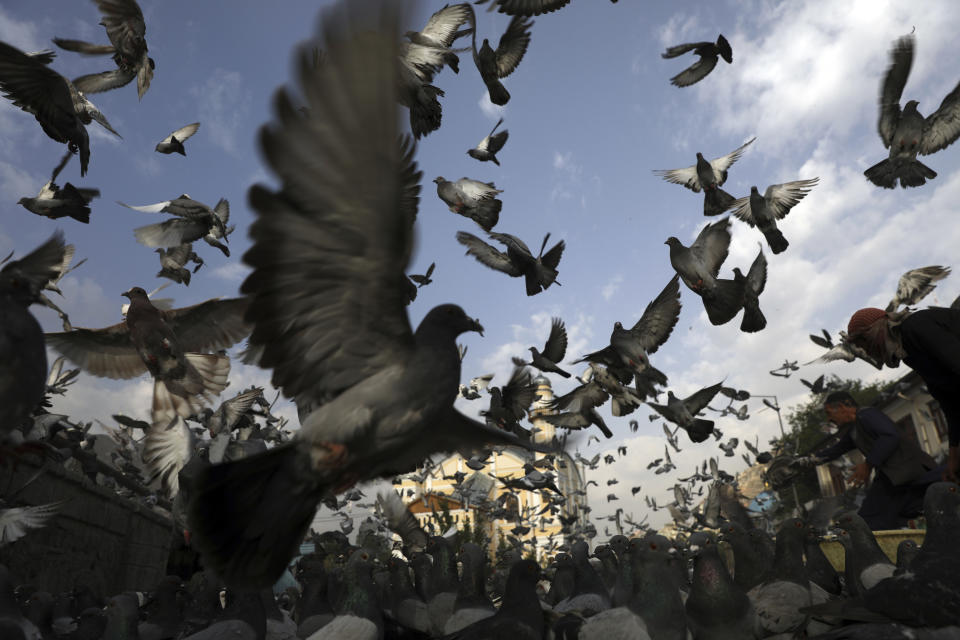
<point>580,406</point>
<point>538,273</point>
<point>763,211</point>
<point>525,7</point>
<point>123,21</point>
<point>59,107</point>
<point>683,412</point>
<point>915,285</point>
<point>495,65</point>
<point>844,350</point>
<point>24,372</point>
<point>328,310</point>
<point>698,266</point>
<point>472,199</point>
<point>194,221</point>
<point>172,263</point>
<point>519,617</point>
<point>173,143</point>
<point>907,133</point>
<point>708,176</point>
<point>717,608</point>
<point>709,52</point>
<point>753,285</point>
<point>53,202</point>
<point>489,146</point>
<point>553,351</point>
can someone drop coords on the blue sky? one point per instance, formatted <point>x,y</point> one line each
<point>592,114</point>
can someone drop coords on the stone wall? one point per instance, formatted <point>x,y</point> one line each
<point>98,538</point>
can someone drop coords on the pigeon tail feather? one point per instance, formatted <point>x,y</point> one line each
<point>724,302</point>
<point>778,243</point>
<point>167,405</point>
<point>753,319</point>
<point>247,517</point>
<point>487,213</point>
<point>700,430</point>
<point>716,201</point>
<point>498,93</point>
<point>213,369</point>
<point>80,214</point>
<point>912,172</point>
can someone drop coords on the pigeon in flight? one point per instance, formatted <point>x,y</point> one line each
<point>708,52</point>
<point>421,58</point>
<point>422,280</point>
<point>173,263</point>
<point>845,350</point>
<point>16,522</point>
<point>763,211</point>
<point>510,403</point>
<point>698,266</point>
<point>580,405</point>
<point>553,351</point>
<point>173,143</point>
<point>53,202</point>
<point>194,221</point>
<point>472,199</point>
<point>682,412</point>
<point>708,176</point>
<point>23,375</point>
<point>907,133</point>
<point>753,284</point>
<point>489,146</point>
<point>160,303</point>
<point>60,108</point>
<point>170,345</point>
<point>629,349</point>
<point>915,285</point>
<point>817,386</point>
<point>495,65</point>
<point>123,21</point>
<point>329,257</point>
<point>623,399</point>
<point>538,273</point>
<point>525,8</point>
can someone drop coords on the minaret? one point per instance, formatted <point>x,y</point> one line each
<point>543,406</point>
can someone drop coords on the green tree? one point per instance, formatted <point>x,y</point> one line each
<point>806,427</point>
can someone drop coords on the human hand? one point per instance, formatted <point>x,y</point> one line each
<point>860,475</point>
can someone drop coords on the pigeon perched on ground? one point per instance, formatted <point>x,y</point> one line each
<point>472,199</point>
<point>538,273</point>
<point>173,143</point>
<point>553,351</point>
<point>682,412</point>
<point>194,221</point>
<point>59,107</point>
<point>628,352</point>
<point>709,176</point>
<point>489,146</point>
<point>698,266</point>
<point>170,345</point>
<point>53,202</point>
<point>907,133</point>
<point>753,285</point>
<point>495,65</point>
<point>123,21</point>
<point>915,285</point>
<point>717,607</point>
<point>763,211</point>
<point>328,310</point>
<point>708,52</point>
<point>24,372</point>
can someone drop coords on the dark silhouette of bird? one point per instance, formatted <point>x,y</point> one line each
<point>763,211</point>
<point>173,143</point>
<point>708,176</point>
<point>709,52</point>
<point>906,133</point>
<point>496,65</point>
<point>538,273</point>
<point>488,147</point>
<point>553,351</point>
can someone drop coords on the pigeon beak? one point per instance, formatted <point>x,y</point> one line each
<point>126,294</point>
<point>476,326</point>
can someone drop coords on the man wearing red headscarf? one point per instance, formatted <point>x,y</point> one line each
<point>927,341</point>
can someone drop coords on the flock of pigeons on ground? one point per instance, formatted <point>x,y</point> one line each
<point>325,310</point>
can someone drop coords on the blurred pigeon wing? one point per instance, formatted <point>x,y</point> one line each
<point>659,318</point>
<point>713,244</point>
<point>721,164</point>
<point>209,326</point>
<point>901,59</point>
<point>552,258</point>
<point>680,49</point>
<point>476,190</point>
<point>107,353</point>
<point>697,401</point>
<point>513,45</point>
<point>741,209</point>
<point>238,405</point>
<point>148,208</point>
<point>183,133</point>
<point>695,72</point>
<point>166,450</point>
<point>33,86</point>
<point>757,276</point>
<point>341,223</point>
<point>104,81</point>
<point>916,284</point>
<point>170,233</point>
<point>526,7</point>
<point>16,522</point>
<point>583,397</point>
<point>783,197</point>
<point>942,127</point>
<point>401,521</point>
<point>222,210</point>
<point>442,25</point>
<point>487,254</point>
<point>686,176</point>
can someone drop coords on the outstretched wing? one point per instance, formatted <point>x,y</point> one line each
<point>488,255</point>
<point>331,247</point>
<point>901,59</point>
<point>513,45</point>
<point>659,318</point>
<point>783,197</point>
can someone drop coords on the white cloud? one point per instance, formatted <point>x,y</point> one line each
<point>22,34</point>
<point>232,272</point>
<point>612,286</point>
<point>492,111</point>
<point>223,101</point>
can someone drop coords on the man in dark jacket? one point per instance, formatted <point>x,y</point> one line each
<point>903,469</point>
<point>927,341</point>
